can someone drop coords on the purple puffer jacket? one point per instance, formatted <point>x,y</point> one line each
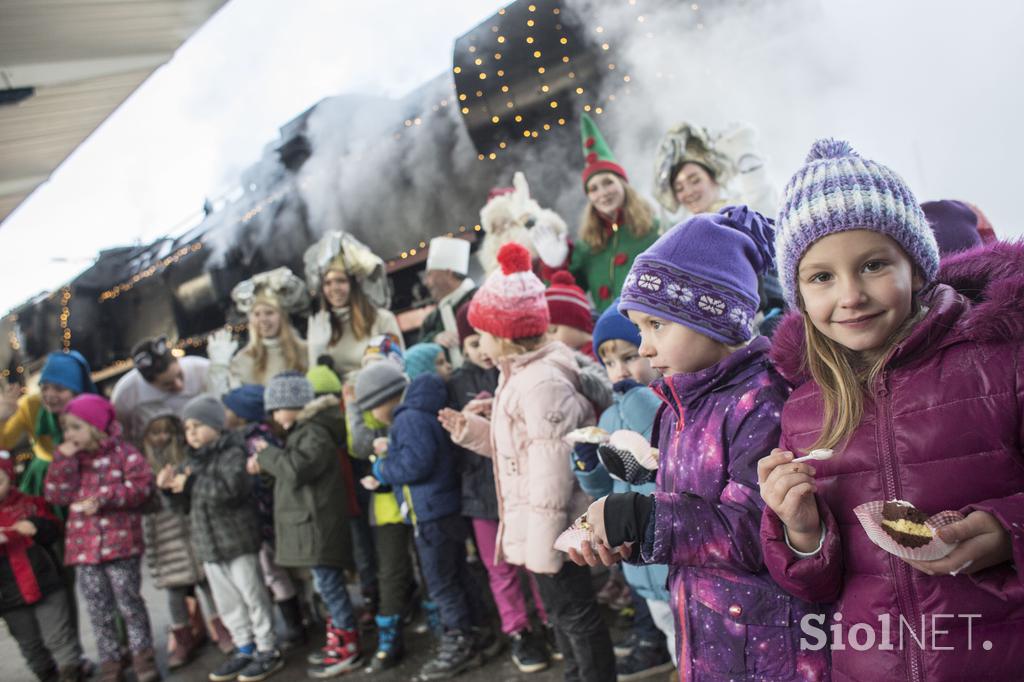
<point>944,431</point>
<point>733,622</point>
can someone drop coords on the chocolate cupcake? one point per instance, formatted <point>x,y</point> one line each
<point>906,524</point>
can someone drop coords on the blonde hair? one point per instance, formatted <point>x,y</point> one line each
<point>175,453</point>
<point>519,346</point>
<point>845,378</point>
<point>614,346</point>
<point>636,214</point>
<point>294,358</point>
<point>96,436</point>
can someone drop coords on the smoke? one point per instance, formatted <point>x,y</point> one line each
<point>920,87</point>
<point>930,89</point>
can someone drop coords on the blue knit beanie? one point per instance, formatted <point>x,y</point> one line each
<point>247,402</point>
<point>70,370</point>
<point>838,190</point>
<point>420,359</point>
<point>614,325</point>
<point>703,274</point>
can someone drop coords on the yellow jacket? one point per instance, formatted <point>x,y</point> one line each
<point>23,423</point>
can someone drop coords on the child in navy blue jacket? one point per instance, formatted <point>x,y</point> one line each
<point>421,463</point>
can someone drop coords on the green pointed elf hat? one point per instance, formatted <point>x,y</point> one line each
<point>597,155</point>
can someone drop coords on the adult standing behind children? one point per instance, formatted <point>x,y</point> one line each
<point>617,225</point>
<point>446,278</point>
<point>349,284</point>
<point>159,383</point>
<point>274,346</point>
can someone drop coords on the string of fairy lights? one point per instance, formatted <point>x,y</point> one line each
<point>596,107</point>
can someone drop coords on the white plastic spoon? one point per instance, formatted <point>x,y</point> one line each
<point>820,454</point>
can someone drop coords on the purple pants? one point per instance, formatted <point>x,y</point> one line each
<point>504,580</point>
<point>109,588</point>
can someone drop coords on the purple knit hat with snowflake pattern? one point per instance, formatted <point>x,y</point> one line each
<point>703,274</point>
<point>838,190</point>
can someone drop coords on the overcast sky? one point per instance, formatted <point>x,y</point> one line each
<point>934,88</point>
<point>206,115</point>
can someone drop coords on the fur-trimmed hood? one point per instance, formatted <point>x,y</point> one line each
<point>317,405</point>
<point>981,291</point>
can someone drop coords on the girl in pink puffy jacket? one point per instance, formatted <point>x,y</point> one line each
<point>104,481</point>
<point>914,375</point>
<point>538,401</point>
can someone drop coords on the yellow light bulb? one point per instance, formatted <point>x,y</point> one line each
<point>599,29</point>
<point>532,8</point>
<point>465,110</point>
<point>529,23</point>
<point>565,59</point>
<point>501,39</point>
<point>501,73</point>
<point>478,61</point>
<point>462,97</point>
<point>599,110</point>
<point>504,88</point>
<point>494,119</point>
<point>604,46</point>
<point>483,76</point>
<point>529,40</point>
<point>492,156</point>
<point>564,40</point>
<point>457,69</point>
<point>544,88</point>
<point>554,104</point>
<point>579,91</point>
<point>536,54</point>
<point>502,145</point>
<point>526,133</point>
<point>519,119</point>
<point>540,69</point>
<point>561,121</point>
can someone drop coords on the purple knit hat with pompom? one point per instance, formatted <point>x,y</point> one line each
<point>703,274</point>
<point>838,190</point>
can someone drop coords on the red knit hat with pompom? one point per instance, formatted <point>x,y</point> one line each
<point>511,303</point>
<point>567,304</point>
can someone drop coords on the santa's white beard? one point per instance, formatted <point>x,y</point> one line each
<point>488,253</point>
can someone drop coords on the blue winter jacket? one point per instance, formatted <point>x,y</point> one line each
<point>420,455</point>
<point>633,410</point>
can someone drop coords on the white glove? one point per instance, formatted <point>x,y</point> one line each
<point>553,248</point>
<point>739,143</point>
<point>221,347</point>
<point>318,335</point>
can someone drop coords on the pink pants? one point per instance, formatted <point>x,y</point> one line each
<point>504,580</point>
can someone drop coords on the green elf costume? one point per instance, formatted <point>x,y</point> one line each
<point>601,273</point>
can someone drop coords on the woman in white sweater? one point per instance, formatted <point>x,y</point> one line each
<point>351,290</point>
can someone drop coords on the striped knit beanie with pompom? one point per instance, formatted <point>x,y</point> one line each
<point>837,190</point>
<point>511,303</point>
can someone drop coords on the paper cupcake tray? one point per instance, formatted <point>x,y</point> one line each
<point>870,516</point>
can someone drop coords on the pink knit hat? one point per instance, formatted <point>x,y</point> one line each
<point>511,303</point>
<point>567,304</point>
<point>95,410</point>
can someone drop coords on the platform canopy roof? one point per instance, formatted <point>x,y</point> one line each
<point>66,65</point>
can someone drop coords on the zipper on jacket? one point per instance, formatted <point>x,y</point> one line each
<point>904,587</point>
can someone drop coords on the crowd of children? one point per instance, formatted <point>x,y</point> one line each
<point>908,368</point>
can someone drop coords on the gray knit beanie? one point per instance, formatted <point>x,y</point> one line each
<point>377,383</point>
<point>205,409</point>
<point>288,391</point>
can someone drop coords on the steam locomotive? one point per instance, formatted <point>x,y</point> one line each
<point>517,83</point>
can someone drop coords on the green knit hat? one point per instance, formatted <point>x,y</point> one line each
<point>597,155</point>
<point>324,380</point>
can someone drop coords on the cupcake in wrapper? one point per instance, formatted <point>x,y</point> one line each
<point>870,515</point>
<point>576,536</point>
<point>587,434</point>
